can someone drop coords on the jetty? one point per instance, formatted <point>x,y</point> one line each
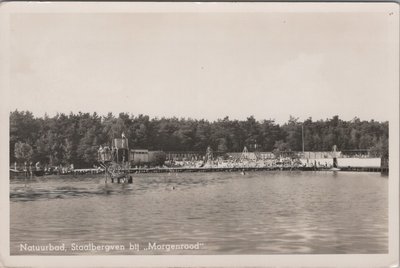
<point>239,169</point>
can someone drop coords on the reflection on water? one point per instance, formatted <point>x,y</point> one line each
<point>259,213</point>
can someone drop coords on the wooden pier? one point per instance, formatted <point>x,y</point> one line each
<point>239,169</point>
<point>366,169</point>
<point>383,170</point>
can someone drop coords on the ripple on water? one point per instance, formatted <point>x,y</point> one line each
<point>261,213</point>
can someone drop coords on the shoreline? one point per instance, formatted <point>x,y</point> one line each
<point>240,169</point>
<point>133,171</point>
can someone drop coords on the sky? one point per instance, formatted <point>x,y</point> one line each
<point>206,65</point>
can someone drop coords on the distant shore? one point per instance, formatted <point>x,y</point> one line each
<point>243,170</point>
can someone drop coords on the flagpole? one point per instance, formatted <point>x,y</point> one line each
<point>302,136</point>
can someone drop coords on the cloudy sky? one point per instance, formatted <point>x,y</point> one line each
<point>207,64</point>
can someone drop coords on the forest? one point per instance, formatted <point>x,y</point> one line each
<point>75,138</point>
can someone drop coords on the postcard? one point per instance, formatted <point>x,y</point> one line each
<point>199,134</point>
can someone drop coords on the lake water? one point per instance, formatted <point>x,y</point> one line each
<point>205,213</point>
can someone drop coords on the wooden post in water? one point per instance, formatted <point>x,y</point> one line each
<point>384,164</point>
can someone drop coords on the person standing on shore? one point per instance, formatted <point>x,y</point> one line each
<point>37,165</point>
<point>25,169</point>
<point>100,155</point>
<point>31,169</point>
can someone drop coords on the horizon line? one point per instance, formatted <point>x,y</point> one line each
<point>116,114</point>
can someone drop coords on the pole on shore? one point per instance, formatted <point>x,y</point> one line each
<point>302,137</point>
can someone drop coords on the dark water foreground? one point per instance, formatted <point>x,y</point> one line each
<point>201,213</point>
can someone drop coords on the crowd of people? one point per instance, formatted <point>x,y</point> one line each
<point>238,163</point>
<point>30,169</point>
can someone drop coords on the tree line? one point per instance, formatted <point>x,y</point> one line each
<point>75,138</point>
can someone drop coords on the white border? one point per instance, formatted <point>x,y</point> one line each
<point>362,260</point>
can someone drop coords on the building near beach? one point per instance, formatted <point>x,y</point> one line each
<point>139,156</point>
<point>144,156</point>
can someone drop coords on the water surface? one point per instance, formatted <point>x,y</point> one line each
<point>258,213</point>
